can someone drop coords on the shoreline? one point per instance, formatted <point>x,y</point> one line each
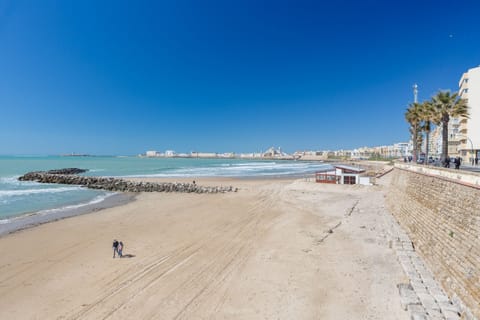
<point>37,218</point>
<point>211,180</point>
<point>31,220</point>
<point>34,219</point>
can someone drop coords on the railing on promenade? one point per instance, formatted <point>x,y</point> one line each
<point>466,178</point>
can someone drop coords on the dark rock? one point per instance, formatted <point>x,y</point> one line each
<point>69,176</point>
<point>67,171</point>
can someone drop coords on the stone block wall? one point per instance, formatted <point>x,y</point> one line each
<point>441,215</point>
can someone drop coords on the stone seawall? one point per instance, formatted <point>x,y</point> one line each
<point>440,210</point>
<point>116,184</point>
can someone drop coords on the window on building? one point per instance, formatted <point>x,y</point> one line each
<point>349,179</point>
<point>465,90</point>
<point>326,178</point>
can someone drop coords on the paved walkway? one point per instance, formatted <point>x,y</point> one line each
<point>422,296</point>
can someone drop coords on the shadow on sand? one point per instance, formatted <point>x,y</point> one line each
<point>128,256</point>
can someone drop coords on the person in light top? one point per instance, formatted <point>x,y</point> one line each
<point>120,249</point>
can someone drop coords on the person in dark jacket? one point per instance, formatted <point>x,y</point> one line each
<point>447,162</point>
<point>458,162</point>
<point>115,247</point>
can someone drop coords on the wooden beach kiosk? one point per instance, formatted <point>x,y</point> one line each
<point>341,174</point>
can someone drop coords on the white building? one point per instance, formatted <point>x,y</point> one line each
<point>454,137</point>
<point>400,149</point>
<point>469,129</point>
<point>151,153</point>
<point>170,153</point>
<point>342,174</point>
<point>435,142</point>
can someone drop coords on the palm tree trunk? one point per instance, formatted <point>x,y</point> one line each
<point>426,146</point>
<point>415,144</point>
<point>444,139</point>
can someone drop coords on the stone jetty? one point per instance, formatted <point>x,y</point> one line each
<point>67,171</point>
<point>70,176</point>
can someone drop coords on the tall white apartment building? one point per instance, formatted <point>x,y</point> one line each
<point>454,138</point>
<point>400,149</point>
<point>469,129</point>
<point>435,142</point>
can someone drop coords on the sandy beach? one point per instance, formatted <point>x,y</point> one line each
<point>276,249</point>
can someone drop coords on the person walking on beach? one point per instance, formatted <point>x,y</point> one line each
<point>120,249</point>
<point>115,247</point>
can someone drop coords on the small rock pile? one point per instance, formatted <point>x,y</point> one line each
<point>69,176</point>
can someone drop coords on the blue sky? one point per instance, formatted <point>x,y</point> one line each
<point>122,77</point>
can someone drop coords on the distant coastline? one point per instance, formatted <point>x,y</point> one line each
<point>76,155</point>
<point>234,157</point>
<point>271,153</point>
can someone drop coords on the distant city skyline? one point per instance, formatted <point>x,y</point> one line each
<point>120,78</point>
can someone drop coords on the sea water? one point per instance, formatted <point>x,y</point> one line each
<point>18,198</point>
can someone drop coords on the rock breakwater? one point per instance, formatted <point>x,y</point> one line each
<point>67,171</point>
<point>116,184</point>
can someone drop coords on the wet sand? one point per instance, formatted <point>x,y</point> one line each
<point>37,218</point>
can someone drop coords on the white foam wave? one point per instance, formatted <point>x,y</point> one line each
<point>242,169</point>
<point>13,180</point>
<point>9,179</point>
<point>10,193</point>
<point>256,164</point>
<point>95,200</point>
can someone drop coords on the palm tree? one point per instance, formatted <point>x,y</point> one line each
<point>428,116</point>
<point>412,115</point>
<point>448,106</point>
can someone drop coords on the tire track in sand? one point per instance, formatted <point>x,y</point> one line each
<point>229,254</point>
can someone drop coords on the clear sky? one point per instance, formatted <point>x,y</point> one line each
<point>122,77</point>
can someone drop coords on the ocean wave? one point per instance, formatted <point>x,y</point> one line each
<point>10,180</point>
<point>20,192</point>
<point>95,200</point>
<point>239,170</point>
<point>256,164</point>
<point>13,181</point>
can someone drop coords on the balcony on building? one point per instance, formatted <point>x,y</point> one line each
<point>463,81</point>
